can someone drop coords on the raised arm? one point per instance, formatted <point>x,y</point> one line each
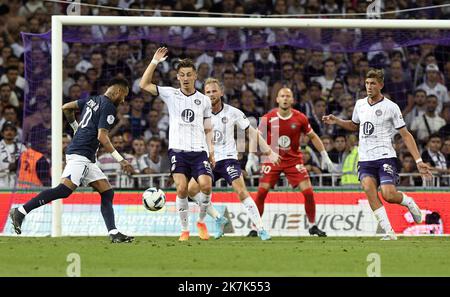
<point>103,138</point>
<point>146,81</point>
<point>69,112</point>
<point>346,124</point>
<point>410,143</point>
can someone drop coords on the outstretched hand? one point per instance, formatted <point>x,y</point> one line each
<point>425,171</point>
<point>126,167</point>
<point>329,119</point>
<point>160,54</point>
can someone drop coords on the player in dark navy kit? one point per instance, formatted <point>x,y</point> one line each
<point>97,118</point>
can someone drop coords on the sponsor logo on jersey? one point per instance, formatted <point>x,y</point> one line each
<point>368,128</point>
<point>187,115</point>
<point>284,141</point>
<point>217,136</point>
<point>378,112</point>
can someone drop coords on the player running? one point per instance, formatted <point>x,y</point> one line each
<point>283,127</point>
<point>225,118</point>
<point>190,133</point>
<point>97,118</point>
<point>377,119</point>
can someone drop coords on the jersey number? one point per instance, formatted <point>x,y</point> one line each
<point>87,116</point>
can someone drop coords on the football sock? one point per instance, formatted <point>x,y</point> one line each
<point>22,210</point>
<point>113,231</point>
<point>47,196</point>
<point>383,219</point>
<point>204,202</point>
<point>182,205</point>
<point>253,212</point>
<point>310,205</point>
<point>107,209</point>
<point>260,198</point>
<point>406,200</point>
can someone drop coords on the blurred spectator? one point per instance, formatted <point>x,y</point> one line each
<point>15,81</point>
<point>138,151</point>
<point>10,115</point>
<point>123,119</point>
<point>112,168</point>
<point>7,96</point>
<point>228,86</point>
<point>155,127</point>
<point>248,105</point>
<point>350,163</point>
<point>328,142</point>
<point>137,119</point>
<point>319,109</point>
<point>203,71</point>
<point>327,79</point>
<point>353,83</point>
<point>10,150</point>
<point>113,65</point>
<point>30,7</point>
<point>346,103</point>
<point>315,65</point>
<point>398,87</point>
<point>436,159</point>
<point>432,86</point>
<point>339,152</point>
<point>419,107</point>
<point>408,167</point>
<point>429,122</point>
<point>287,80</point>
<point>255,85</point>
<point>34,169</point>
<point>38,133</point>
<point>444,131</point>
<point>152,162</point>
<point>446,148</point>
<point>379,52</point>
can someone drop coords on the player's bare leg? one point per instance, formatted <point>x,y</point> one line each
<point>182,204</point>
<point>63,190</point>
<point>305,188</point>
<point>261,195</point>
<point>250,207</point>
<point>391,195</point>
<point>369,186</point>
<point>103,187</point>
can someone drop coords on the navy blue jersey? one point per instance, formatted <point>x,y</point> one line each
<point>96,112</point>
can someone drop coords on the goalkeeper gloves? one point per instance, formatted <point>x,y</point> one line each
<point>326,163</point>
<point>252,163</point>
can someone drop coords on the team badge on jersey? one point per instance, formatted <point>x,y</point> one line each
<point>110,119</point>
<point>224,120</point>
<point>378,112</point>
<point>187,115</point>
<point>197,101</point>
<point>293,126</point>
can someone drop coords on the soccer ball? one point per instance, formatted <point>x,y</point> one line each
<point>153,199</point>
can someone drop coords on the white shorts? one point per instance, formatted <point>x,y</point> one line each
<point>81,171</point>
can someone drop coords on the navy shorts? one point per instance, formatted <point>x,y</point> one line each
<point>191,164</point>
<point>385,171</point>
<point>228,169</point>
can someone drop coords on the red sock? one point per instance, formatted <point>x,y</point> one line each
<point>310,205</point>
<point>260,197</point>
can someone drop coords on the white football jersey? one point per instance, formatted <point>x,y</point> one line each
<point>377,126</point>
<point>186,115</point>
<point>224,123</point>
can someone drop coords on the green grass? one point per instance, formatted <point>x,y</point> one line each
<point>229,256</point>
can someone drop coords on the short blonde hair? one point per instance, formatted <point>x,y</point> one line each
<point>378,74</point>
<point>212,80</point>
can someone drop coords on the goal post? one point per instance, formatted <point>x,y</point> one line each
<point>57,58</point>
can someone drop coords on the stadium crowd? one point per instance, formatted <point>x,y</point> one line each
<point>324,79</point>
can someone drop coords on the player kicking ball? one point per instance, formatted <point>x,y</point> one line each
<point>225,119</point>
<point>190,133</point>
<point>378,119</point>
<point>97,118</point>
<point>283,127</point>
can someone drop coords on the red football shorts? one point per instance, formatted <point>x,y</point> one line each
<point>295,173</point>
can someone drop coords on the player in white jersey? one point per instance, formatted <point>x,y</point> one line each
<point>225,118</point>
<point>378,119</point>
<point>190,132</point>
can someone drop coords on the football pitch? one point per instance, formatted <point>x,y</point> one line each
<point>229,256</point>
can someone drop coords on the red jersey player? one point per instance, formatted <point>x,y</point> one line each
<point>282,128</point>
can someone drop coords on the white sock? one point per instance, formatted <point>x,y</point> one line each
<point>182,205</point>
<point>213,212</point>
<point>204,201</point>
<point>198,199</point>
<point>22,210</point>
<point>383,219</point>
<point>406,200</point>
<point>113,231</point>
<point>253,212</point>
